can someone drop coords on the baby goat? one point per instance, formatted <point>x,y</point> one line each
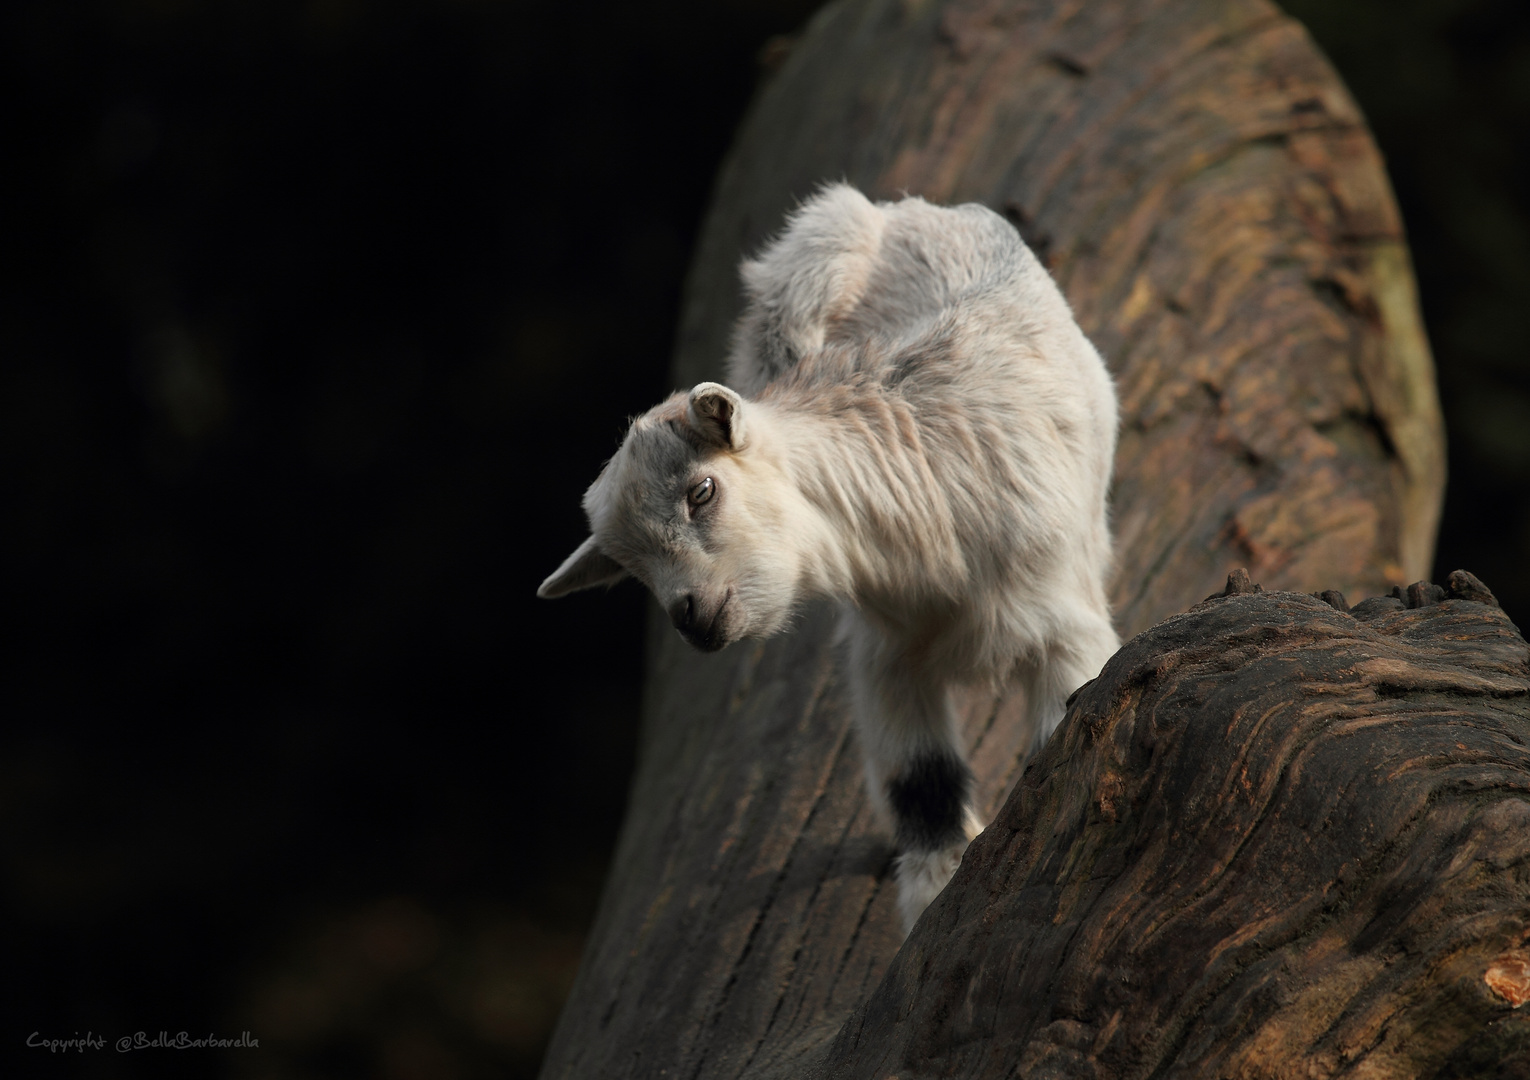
<point>916,427</point>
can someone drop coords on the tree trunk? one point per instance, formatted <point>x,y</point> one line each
<point>1207,196</point>
<point>1272,840</point>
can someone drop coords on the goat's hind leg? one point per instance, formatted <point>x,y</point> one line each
<point>915,771</point>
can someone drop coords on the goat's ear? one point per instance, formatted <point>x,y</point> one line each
<point>718,414</point>
<point>586,568</point>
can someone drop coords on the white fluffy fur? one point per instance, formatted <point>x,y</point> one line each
<point>917,428</point>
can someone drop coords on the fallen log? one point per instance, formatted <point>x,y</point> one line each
<point>1206,193</point>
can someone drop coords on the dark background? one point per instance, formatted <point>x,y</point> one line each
<point>316,320</point>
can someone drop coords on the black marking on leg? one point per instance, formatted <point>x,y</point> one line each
<point>929,801</point>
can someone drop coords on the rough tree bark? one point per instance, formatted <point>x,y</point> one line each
<point>1208,197</point>
<point>1273,840</point>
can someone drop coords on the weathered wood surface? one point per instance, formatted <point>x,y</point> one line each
<point>1272,840</point>
<point>1206,193</point>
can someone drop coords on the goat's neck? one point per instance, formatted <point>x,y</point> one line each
<point>879,524</point>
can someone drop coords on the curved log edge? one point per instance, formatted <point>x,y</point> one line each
<point>1273,838</point>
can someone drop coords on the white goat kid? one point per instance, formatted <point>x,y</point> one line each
<point>917,428</point>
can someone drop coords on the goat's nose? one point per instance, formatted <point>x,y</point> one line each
<point>683,612</point>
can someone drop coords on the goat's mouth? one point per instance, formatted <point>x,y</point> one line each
<point>714,635</point>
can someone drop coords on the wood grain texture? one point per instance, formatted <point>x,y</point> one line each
<point>1272,840</point>
<point>1206,193</point>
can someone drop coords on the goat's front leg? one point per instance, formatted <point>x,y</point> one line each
<point>915,771</point>
<point>1071,659</point>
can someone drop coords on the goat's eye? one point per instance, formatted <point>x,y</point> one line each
<point>702,492</point>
